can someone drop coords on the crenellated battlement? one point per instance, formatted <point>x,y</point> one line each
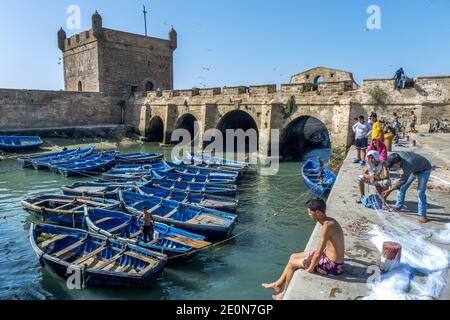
<point>78,40</point>
<point>325,88</point>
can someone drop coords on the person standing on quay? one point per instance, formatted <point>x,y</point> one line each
<point>361,130</point>
<point>414,166</point>
<point>377,129</point>
<point>413,123</point>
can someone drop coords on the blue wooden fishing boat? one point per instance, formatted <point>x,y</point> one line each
<point>311,178</point>
<point>94,166</point>
<point>43,164</point>
<point>199,162</point>
<point>105,190</point>
<point>19,143</point>
<point>177,244</point>
<point>134,171</point>
<point>189,177</point>
<point>26,162</point>
<point>126,168</point>
<point>182,168</point>
<point>54,165</point>
<point>65,163</point>
<point>212,224</point>
<point>65,210</point>
<point>140,157</point>
<point>202,200</point>
<point>100,262</point>
<point>202,157</point>
<point>227,190</point>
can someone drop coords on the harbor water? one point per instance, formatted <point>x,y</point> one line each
<point>272,225</point>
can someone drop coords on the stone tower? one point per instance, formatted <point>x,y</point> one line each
<point>116,62</point>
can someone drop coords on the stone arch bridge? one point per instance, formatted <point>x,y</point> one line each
<point>257,107</point>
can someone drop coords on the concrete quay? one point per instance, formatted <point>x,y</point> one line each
<point>357,220</point>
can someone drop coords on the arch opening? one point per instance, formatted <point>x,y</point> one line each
<point>80,86</point>
<point>149,86</point>
<point>318,79</point>
<point>187,122</point>
<point>235,120</point>
<point>303,135</point>
<point>155,132</point>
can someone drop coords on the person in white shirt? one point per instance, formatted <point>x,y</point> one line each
<point>361,130</point>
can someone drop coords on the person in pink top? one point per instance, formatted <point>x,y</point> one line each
<point>378,146</point>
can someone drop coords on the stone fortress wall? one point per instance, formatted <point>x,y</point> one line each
<point>113,77</point>
<point>334,103</point>
<point>35,110</point>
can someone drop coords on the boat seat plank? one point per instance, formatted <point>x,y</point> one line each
<point>77,208</point>
<point>92,261</point>
<point>171,213</point>
<point>65,205</point>
<point>123,225</point>
<point>45,244</point>
<point>194,243</point>
<point>124,269</point>
<point>149,260</point>
<point>90,189</point>
<point>146,269</point>
<point>103,220</point>
<point>90,255</point>
<point>154,208</point>
<point>103,264</point>
<point>93,203</point>
<point>68,249</point>
<point>110,266</point>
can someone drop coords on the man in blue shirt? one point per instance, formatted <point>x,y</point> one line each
<point>414,166</point>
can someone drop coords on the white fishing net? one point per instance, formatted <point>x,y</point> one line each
<point>423,270</point>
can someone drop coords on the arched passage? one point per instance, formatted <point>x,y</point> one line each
<point>301,135</point>
<point>187,122</point>
<point>155,132</point>
<point>149,86</point>
<point>80,86</point>
<point>235,120</point>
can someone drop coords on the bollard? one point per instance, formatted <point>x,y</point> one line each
<point>390,256</point>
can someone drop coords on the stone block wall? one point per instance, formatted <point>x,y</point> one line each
<point>35,109</point>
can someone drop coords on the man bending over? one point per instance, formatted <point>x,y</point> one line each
<point>327,259</point>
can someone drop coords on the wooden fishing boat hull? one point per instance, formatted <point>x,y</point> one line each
<point>311,178</point>
<point>202,188</point>
<point>64,210</point>
<point>188,177</point>
<point>101,262</point>
<point>139,158</point>
<point>105,190</point>
<point>19,143</point>
<point>201,157</point>
<point>196,199</point>
<point>97,166</point>
<point>44,164</point>
<point>177,244</point>
<point>182,168</point>
<point>212,224</point>
<point>26,162</point>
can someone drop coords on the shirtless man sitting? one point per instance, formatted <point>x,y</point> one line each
<point>327,260</point>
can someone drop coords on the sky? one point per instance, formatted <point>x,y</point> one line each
<point>239,42</point>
